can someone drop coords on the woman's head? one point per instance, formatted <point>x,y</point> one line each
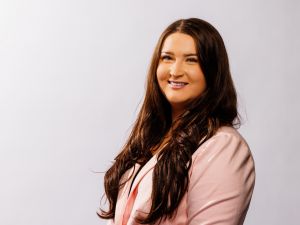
<point>206,71</point>
<point>179,74</point>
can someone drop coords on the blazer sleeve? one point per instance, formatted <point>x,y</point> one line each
<point>221,181</point>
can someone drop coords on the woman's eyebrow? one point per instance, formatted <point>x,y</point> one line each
<point>171,53</point>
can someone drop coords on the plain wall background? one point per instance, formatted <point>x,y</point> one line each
<point>72,76</point>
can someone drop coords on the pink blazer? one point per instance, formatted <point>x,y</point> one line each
<point>222,179</point>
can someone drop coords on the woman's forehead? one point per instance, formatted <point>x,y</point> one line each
<point>179,43</point>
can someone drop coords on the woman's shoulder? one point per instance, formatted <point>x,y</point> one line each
<point>226,154</point>
<point>226,141</point>
<point>228,131</point>
<point>226,134</point>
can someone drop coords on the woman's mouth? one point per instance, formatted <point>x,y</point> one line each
<point>177,84</point>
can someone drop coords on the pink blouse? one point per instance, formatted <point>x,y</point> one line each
<point>222,179</point>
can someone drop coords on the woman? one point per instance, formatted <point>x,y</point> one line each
<point>184,162</point>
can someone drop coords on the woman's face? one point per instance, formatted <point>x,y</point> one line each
<point>179,75</point>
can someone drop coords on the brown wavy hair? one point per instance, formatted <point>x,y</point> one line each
<point>215,107</point>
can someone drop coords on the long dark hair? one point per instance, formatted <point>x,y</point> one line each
<point>215,107</point>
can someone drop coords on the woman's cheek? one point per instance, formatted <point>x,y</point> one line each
<point>161,72</point>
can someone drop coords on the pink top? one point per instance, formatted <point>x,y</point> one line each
<point>222,179</point>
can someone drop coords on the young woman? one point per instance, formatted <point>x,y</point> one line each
<point>184,162</point>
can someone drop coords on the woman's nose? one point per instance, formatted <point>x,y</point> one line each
<point>176,69</point>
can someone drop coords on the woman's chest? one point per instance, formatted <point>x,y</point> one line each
<point>137,201</point>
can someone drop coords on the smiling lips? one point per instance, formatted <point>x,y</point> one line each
<point>177,84</point>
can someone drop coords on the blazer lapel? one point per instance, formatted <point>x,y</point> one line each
<point>122,196</point>
<point>147,167</point>
<point>133,192</point>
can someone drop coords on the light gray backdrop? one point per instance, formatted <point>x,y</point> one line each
<point>72,76</point>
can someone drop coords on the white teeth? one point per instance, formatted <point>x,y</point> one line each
<point>177,84</point>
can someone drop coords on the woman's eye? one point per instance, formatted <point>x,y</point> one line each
<point>166,58</point>
<point>192,60</point>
